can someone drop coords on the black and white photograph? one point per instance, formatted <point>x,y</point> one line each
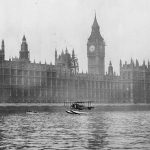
<point>74,74</point>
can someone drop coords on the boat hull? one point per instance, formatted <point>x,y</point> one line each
<point>75,112</point>
<point>31,113</point>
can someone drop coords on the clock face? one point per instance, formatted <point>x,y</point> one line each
<point>92,48</point>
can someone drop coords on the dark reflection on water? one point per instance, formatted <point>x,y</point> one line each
<point>97,130</point>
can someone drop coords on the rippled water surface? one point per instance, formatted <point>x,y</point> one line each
<point>97,130</point>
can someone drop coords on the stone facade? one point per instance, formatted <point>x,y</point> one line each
<point>23,81</point>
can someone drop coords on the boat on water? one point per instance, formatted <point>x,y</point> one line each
<point>80,107</point>
<point>31,112</point>
<point>76,112</point>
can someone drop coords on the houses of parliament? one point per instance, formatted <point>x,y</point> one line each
<point>23,81</point>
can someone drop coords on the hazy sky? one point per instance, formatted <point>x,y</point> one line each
<point>50,24</point>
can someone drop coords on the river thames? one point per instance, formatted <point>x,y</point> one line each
<point>102,130</point>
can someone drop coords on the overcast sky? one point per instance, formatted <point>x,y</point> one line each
<point>50,24</point>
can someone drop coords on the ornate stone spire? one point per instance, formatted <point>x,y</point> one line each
<point>3,46</point>
<point>73,54</point>
<point>110,69</point>
<point>95,34</point>
<point>55,54</point>
<point>95,23</point>
<point>148,64</point>
<point>24,39</point>
<point>24,45</point>
<point>2,52</point>
<point>120,63</point>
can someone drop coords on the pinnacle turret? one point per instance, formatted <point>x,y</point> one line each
<point>24,39</point>
<point>137,63</point>
<point>110,69</point>
<point>73,55</point>
<point>148,64</point>
<point>3,46</point>
<point>2,52</point>
<point>55,53</point>
<point>120,63</point>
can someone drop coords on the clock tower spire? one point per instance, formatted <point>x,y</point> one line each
<point>96,51</point>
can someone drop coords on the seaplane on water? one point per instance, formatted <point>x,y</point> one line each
<point>81,107</point>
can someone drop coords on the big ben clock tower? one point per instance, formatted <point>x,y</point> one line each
<point>96,51</point>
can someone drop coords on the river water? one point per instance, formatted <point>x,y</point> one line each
<point>59,130</point>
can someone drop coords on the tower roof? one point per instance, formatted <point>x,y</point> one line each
<point>95,34</point>
<point>95,23</point>
<point>24,38</point>
<point>110,64</point>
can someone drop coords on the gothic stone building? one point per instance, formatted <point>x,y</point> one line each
<point>22,81</point>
